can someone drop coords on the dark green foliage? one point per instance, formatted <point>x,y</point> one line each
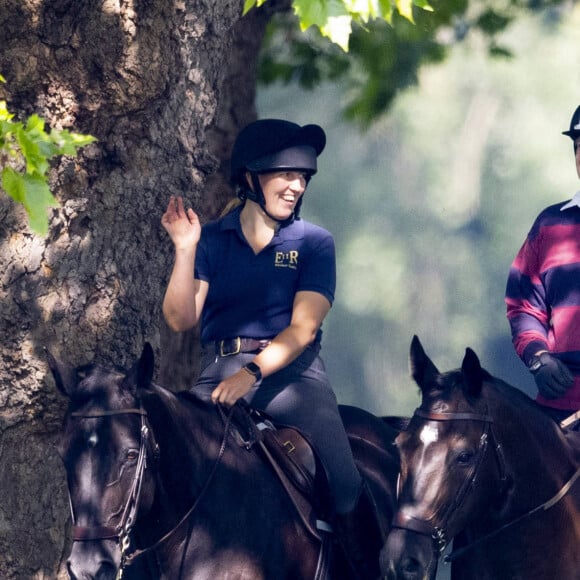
<point>384,59</point>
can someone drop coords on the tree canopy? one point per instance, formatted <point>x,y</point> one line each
<point>430,205</point>
<point>335,18</point>
<point>386,49</point>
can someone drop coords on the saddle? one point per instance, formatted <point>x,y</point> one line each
<point>296,464</point>
<point>302,473</point>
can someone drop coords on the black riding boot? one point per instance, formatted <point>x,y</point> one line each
<point>358,533</point>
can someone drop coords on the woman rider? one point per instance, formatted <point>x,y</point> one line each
<point>261,281</point>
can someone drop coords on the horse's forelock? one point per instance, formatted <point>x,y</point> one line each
<point>102,386</point>
<point>442,392</point>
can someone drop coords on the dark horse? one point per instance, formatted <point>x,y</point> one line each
<point>483,465</point>
<point>166,485</point>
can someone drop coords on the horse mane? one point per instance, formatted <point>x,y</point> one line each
<point>514,397</point>
<point>194,410</point>
<point>523,404</point>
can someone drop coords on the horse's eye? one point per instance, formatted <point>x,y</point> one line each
<point>132,454</point>
<point>464,458</point>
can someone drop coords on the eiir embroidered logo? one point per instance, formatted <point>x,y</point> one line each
<point>286,259</point>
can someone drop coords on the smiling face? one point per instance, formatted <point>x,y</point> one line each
<point>282,191</point>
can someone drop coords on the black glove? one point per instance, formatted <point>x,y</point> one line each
<point>552,376</point>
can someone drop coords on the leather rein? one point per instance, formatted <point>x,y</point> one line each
<point>121,532</point>
<point>438,533</point>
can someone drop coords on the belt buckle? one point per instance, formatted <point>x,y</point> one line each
<point>237,348</point>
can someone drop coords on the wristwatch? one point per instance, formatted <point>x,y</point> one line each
<point>254,370</point>
<point>535,364</point>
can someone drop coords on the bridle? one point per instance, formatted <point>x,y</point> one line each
<point>438,533</point>
<point>122,531</point>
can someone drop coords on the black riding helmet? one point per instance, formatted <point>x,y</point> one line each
<point>272,145</point>
<point>574,131</point>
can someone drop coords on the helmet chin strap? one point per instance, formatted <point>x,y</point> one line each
<point>257,195</point>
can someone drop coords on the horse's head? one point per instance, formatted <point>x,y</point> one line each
<point>106,446</point>
<point>447,472</point>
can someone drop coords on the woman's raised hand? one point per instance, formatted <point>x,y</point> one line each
<point>182,225</point>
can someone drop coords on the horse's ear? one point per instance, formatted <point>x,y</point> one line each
<point>423,371</point>
<point>141,375</point>
<point>64,376</point>
<point>472,373</point>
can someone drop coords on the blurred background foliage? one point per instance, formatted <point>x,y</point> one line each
<point>430,201</point>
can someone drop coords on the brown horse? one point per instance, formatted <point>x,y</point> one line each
<point>168,486</point>
<point>482,464</point>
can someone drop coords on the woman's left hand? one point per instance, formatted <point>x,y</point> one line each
<point>233,388</point>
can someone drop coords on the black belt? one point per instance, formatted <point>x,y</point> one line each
<point>231,346</point>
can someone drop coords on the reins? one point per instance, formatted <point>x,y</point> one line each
<point>542,507</point>
<point>130,558</point>
<point>122,531</point>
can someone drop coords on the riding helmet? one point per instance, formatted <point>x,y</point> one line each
<point>574,131</point>
<point>271,144</point>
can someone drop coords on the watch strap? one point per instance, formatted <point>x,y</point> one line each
<point>254,370</point>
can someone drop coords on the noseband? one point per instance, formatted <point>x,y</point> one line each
<point>438,533</point>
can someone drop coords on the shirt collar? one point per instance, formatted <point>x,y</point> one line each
<point>574,202</point>
<point>291,231</point>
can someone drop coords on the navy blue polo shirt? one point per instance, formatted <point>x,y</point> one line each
<point>252,295</point>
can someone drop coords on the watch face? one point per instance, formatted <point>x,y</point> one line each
<point>253,368</point>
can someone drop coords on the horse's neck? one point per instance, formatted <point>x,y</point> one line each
<point>179,428</point>
<point>534,448</point>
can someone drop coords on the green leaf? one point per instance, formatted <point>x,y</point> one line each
<point>4,114</point>
<point>248,5</point>
<point>37,198</point>
<point>31,143</point>
<point>311,13</point>
<point>338,30</point>
<point>386,7</point>
<point>424,5</point>
<point>13,184</point>
<point>36,159</point>
<point>67,143</point>
<point>405,8</point>
<point>33,193</point>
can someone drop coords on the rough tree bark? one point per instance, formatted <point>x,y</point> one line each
<point>144,77</point>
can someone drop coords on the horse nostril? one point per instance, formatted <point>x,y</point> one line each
<point>411,567</point>
<point>106,571</point>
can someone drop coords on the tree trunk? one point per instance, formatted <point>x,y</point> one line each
<point>145,78</point>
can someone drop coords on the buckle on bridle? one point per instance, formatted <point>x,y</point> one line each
<point>237,348</point>
<point>439,540</point>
